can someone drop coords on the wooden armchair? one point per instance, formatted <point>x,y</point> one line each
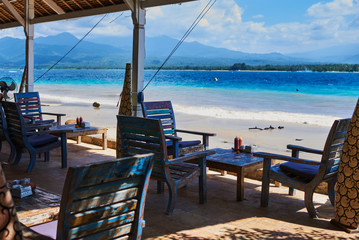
<point>4,135</point>
<point>26,136</point>
<point>163,110</point>
<point>144,135</point>
<point>103,200</point>
<point>305,175</point>
<point>30,106</point>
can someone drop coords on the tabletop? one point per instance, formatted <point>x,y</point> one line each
<point>228,156</point>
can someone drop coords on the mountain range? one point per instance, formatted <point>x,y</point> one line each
<point>114,52</point>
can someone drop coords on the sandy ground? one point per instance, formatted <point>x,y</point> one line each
<point>226,129</point>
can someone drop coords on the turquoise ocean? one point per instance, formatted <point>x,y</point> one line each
<point>297,97</point>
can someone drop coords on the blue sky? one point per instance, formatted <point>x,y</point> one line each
<point>256,26</point>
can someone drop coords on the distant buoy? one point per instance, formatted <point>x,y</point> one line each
<point>216,79</point>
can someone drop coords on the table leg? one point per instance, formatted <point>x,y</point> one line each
<point>104,140</point>
<point>202,181</point>
<point>240,184</point>
<point>64,150</point>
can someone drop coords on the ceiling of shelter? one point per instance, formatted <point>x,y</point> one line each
<point>54,10</point>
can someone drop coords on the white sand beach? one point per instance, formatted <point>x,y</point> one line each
<point>275,140</point>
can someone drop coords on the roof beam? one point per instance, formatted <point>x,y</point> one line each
<point>156,3</point>
<point>82,13</point>
<point>54,6</point>
<point>14,12</point>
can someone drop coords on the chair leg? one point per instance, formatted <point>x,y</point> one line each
<point>265,182</point>
<point>18,156</point>
<point>32,162</point>
<point>160,186</point>
<point>308,199</point>
<point>172,190</point>
<point>202,181</point>
<point>47,156</point>
<point>291,191</point>
<point>331,191</point>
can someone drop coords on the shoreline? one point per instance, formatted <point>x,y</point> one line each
<point>275,141</point>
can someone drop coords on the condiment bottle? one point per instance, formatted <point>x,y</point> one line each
<point>240,141</point>
<point>236,143</point>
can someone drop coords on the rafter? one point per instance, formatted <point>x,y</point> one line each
<point>77,4</point>
<point>54,6</point>
<point>67,5</point>
<point>42,8</point>
<point>13,12</point>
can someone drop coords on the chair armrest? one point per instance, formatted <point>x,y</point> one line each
<point>304,149</point>
<point>173,138</point>
<point>196,132</point>
<point>284,158</point>
<point>55,114</point>
<point>205,136</point>
<point>41,127</point>
<point>191,156</point>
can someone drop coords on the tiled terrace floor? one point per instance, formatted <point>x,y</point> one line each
<point>221,218</point>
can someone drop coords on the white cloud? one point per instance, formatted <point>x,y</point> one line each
<point>334,9</point>
<point>327,24</point>
<point>258,16</point>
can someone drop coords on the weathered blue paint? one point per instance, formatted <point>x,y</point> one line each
<point>175,172</point>
<point>327,167</point>
<point>30,106</point>
<point>21,134</point>
<point>4,135</point>
<point>162,110</point>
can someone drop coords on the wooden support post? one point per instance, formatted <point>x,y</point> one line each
<point>29,32</point>
<point>138,55</point>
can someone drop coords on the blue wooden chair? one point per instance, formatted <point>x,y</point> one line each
<point>30,106</point>
<point>144,135</point>
<point>305,175</point>
<point>26,136</point>
<point>163,110</point>
<point>103,200</point>
<point>4,135</point>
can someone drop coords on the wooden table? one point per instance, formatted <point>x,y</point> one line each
<point>228,160</point>
<point>67,131</point>
<point>40,207</point>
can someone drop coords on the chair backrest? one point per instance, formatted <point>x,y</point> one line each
<point>10,225</point>
<point>333,148</point>
<point>105,200</point>
<point>15,122</point>
<point>30,104</point>
<point>163,111</point>
<point>144,135</point>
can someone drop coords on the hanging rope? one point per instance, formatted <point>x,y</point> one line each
<point>72,47</point>
<point>190,29</point>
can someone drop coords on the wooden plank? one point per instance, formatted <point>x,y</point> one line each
<point>143,138</point>
<point>104,199</point>
<point>157,105</point>
<point>151,112</point>
<point>107,187</point>
<point>103,212</point>
<point>109,171</point>
<point>112,233</point>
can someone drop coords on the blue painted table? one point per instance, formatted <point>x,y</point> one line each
<point>239,163</point>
